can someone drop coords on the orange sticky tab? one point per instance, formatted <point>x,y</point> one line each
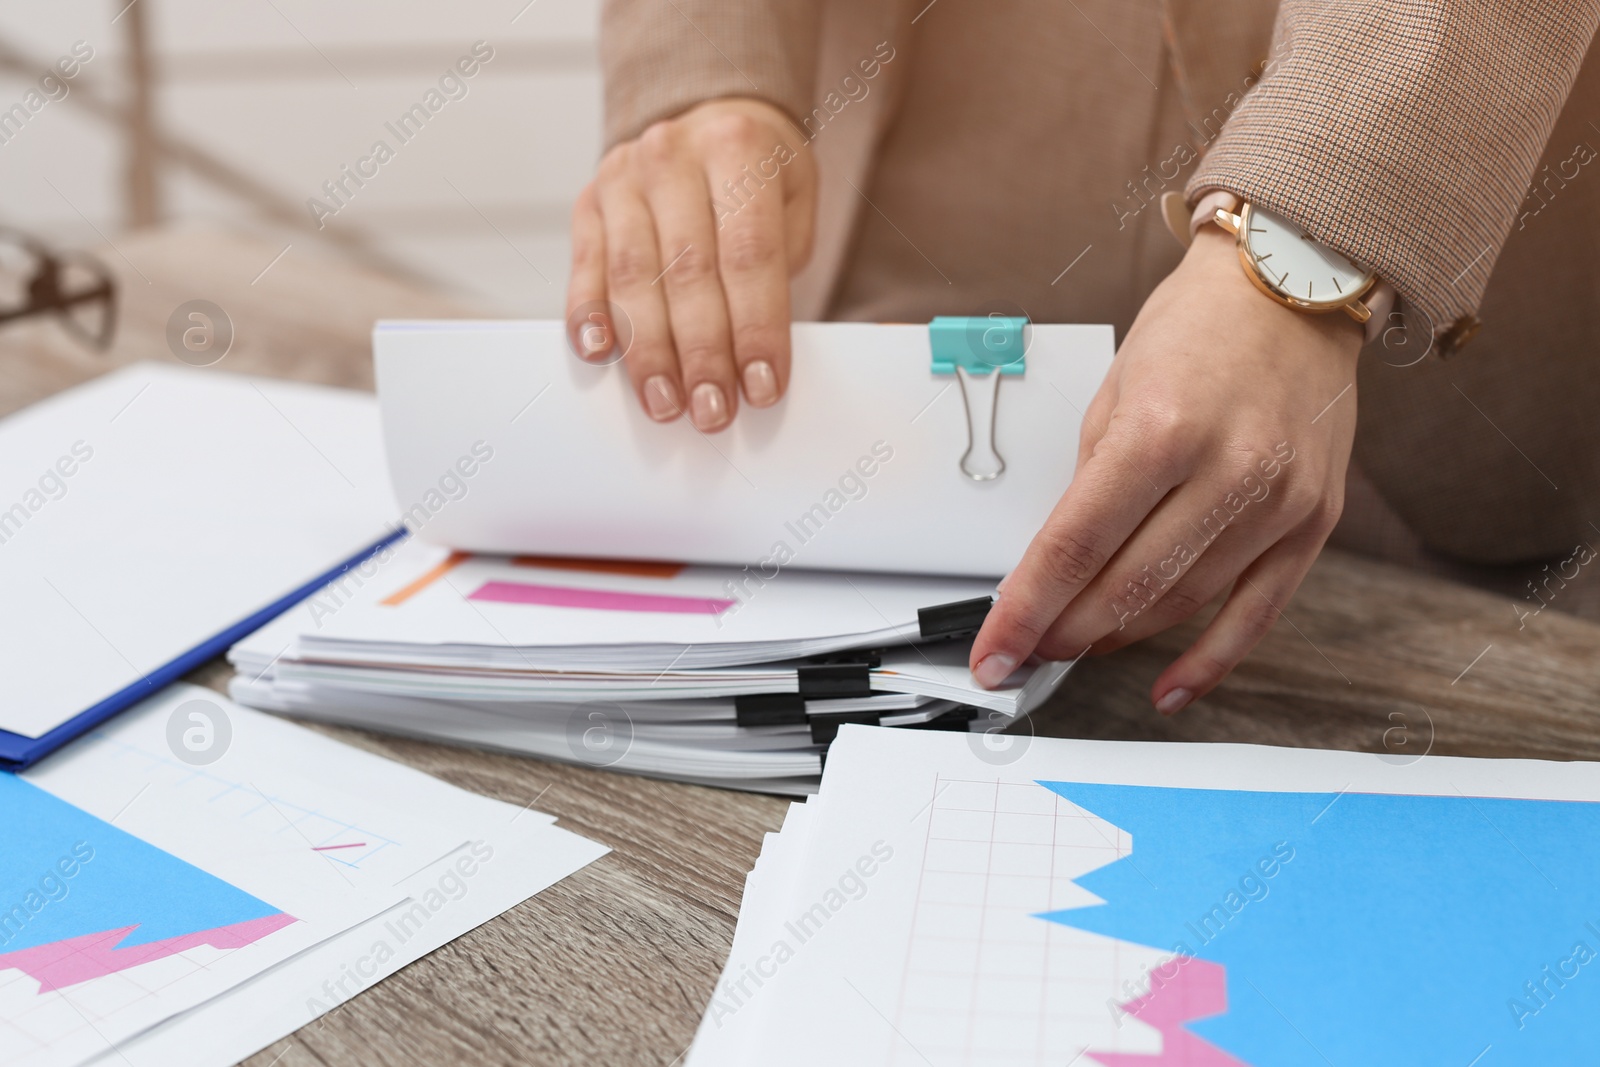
<point>638,568</point>
<point>400,596</point>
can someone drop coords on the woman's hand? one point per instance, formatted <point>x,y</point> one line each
<point>1212,457</point>
<point>690,234</point>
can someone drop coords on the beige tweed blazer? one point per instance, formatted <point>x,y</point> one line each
<point>979,154</point>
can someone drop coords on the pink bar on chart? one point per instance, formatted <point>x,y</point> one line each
<point>560,596</point>
<point>77,959</point>
<point>1182,990</point>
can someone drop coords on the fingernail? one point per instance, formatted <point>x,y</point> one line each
<point>596,343</point>
<point>1174,701</point>
<point>994,669</point>
<point>709,406</point>
<point>661,398</point>
<point>760,383</point>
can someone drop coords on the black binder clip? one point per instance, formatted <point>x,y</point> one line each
<point>825,680</point>
<point>871,657</point>
<point>769,709</point>
<point>825,727</point>
<point>959,619</point>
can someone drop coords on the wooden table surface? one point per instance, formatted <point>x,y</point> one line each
<point>615,964</point>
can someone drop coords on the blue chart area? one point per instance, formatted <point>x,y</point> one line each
<point>1364,929</point>
<point>115,881</point>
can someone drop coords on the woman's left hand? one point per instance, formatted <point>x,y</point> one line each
<point>1212,457</point>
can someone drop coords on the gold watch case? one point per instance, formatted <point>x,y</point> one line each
<point>1239,225</point>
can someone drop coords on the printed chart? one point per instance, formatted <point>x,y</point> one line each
<point>136,884</point>
<point>86,903</point>
<point>1299,929</point>
<point>103,900</point>
<point>571,593</point>
<point>1138,926</point>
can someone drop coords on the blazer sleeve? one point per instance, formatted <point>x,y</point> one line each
<point>661,57</point>
<point>1404,133</point>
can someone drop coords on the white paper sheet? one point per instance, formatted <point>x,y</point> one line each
<point>516,853</point>
<point>857,467</point>
<point>147,510</point>
<point>417,603</point>
<point>305,822</point>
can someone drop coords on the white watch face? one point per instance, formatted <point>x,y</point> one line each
<point>1294,264</point>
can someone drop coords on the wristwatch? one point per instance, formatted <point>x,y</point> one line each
<point>1292,267</point>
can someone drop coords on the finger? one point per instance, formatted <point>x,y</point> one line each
<point>675,188</point>
<point>800,216</point>
<point>799,197</point>
<point>1092,429</point>
<point>754,266</point>
<point>1258,598</point>
<point>589,327</point>
<point>1192,594</point>
<point>1104,504</point>
<point>632,263</point>
<point>1190,548</point>
<point>1197,590</point>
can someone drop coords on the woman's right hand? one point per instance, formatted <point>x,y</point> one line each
<point>690,233</point>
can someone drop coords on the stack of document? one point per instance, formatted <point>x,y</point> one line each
<point>194,881</point>
<point>699,673</point>
<point>1039,901</point>
<point>803,538</point>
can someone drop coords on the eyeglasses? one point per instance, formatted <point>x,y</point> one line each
<point>75,287</point>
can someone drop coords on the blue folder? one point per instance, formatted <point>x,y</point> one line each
<point>18,752</point>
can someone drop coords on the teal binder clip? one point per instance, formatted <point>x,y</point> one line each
<point>979,352</point>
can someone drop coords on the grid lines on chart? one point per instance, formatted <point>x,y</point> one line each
<point>984,980</point>
<point>42,1023</point>
<point>336,840</point>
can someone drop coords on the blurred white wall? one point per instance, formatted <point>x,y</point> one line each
<point>288,92</point>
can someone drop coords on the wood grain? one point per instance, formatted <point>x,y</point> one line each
<point>615,964</point>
